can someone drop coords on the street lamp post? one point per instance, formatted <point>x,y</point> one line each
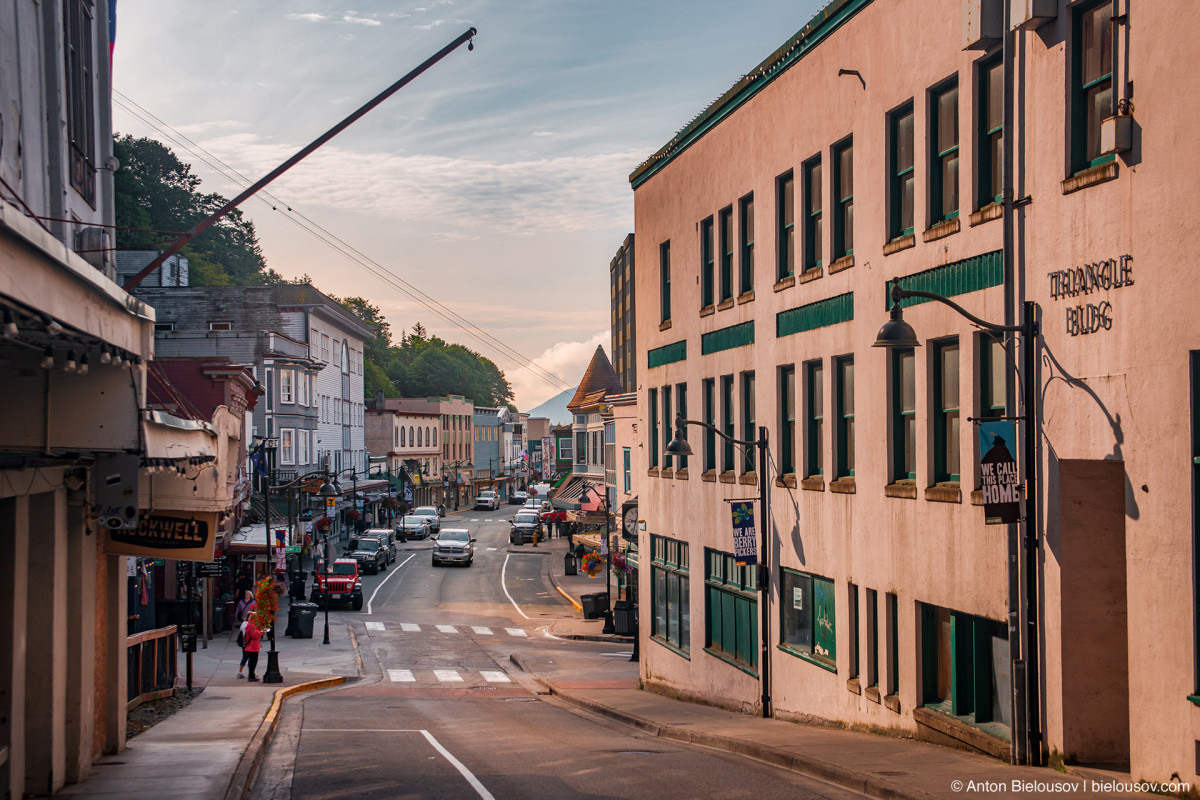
<point>680,447</point>
<point>326,492</point>
<point>609,625</point>
<point>896,333</point>
<point>272,673</point>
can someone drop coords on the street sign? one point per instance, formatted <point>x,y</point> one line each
<point>1000,481</point>
<point>330,502</point>
<point>211,569</point>
<point>187,638</point>
<point>745,538</point>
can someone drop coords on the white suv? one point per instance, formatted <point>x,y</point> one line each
<point>487,499</point>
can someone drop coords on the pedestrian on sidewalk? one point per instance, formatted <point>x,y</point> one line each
<point>253,639</point>
<point>245,609</point>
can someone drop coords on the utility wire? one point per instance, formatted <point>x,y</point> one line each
<point>343,247</point>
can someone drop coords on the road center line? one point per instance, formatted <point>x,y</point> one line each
<point>458,765</point>
<point>388,578</point>
<point>504,586</point>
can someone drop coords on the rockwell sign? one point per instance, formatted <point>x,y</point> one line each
<point>159,534</point>
<point>1085,318</point>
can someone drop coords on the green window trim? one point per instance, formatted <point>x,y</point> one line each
<point>989,135</point>
<point>667,354</point>
<point>943,156</point>
<point>949,280</point>
<point>901,171</point>
<point>892,605</point>
<point>679,651</point>
<point>738,335</point>
<point>819,314</point>
<point>785,226</point>
<point>709,391</point>
<point>725,236</point>
<point>652,402</point>
<point>844,415</point>
<point>748,421</point>
<point>814,422</point>
<point>680,410</point>
<point>706,263</point>
<point>947,417</point>
<point>664,280</point>
<point>727,422</point>
<point>667,426</point>
<point>1090,93</point>
<point>803,656</point>
<point>730,611</point>
<point>843,193</point>
<point>670,594</point>
<point>904,414</point>
<point>787,420</point>
<point>807,616</point>
<point>973,698</point>
<point>732,661</point>
<point>813,207</point>
<point>746,239</point>
<point>993,376</point>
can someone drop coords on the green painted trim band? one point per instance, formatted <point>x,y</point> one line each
<point>822,313</point>
<point>816,31</point>
<point>667,354</point>
<point>806,657</point>
<point>959,277</point>
<point>727,338</point>
<point>731,661</point>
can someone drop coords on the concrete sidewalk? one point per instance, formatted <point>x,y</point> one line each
<point>210,749</point>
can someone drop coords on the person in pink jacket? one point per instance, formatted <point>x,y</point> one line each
<point>253,640</point>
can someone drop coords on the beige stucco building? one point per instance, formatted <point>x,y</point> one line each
<point>767,232</point>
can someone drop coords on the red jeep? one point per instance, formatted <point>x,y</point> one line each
<point>345,587</point>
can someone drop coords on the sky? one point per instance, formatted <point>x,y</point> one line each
<point>496,184</point>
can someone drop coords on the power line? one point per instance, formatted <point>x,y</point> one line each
<point>343,247</point>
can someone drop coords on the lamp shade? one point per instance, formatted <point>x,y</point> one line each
<point>896,332</point>
<point>327,490</point>
<point>679,445</point>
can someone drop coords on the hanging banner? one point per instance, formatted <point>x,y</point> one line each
<point>745,537</point>
<point>998,469</point>
<point>167,535</point>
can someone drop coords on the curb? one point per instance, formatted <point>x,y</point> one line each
<point>587,637</point>
<point>247,769</point>
<point>794,762</point>
<point>573,601</point>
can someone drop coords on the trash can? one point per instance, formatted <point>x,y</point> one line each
<point>594,605</point>
<point>297,582</point>
<point>300,620</point>
<point>624,617</point>
<point>569,565</point>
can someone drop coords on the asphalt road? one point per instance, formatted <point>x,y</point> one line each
<point>445,713</point>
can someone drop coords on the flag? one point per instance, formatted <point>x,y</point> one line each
<point>112,30</point>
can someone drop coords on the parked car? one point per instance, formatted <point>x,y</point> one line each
<point>412,527</point>
<point>431,515</point>
<point>387,537</point>
<point>344,584</point>
<point>454,546</point>
<point>487,499</point>
<point>532,504</point>
<point>524,525</point>
<point>369,552</point>
<point>517,498</point>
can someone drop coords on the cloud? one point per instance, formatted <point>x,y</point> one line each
<point>567,360</point>
<point>353,20</point>
<point>439,22</point>
<point>306,17</point>
<point>572,193</point>
<point>544,133</point>
<point>210,125</point>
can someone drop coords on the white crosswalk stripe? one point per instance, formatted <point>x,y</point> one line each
<point>494,676</point>
<point>482,631</point>
<point>447,675</point>
<point>401,675</point>
<point>490,549</point>
<point>447,628</point>
<point>375,626</point>
<point>410,627</point>
<point>515,632</point>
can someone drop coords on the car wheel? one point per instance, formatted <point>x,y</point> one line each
<point>358,603</point>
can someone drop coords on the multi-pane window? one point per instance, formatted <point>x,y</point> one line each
<point>891,606</point>
<point>709,390</point>
<point>670,596</point>
<point>904,414</point>
<point>989,156</point>
<point>1092,83</point>
<point>748,421</point>
<point>813,205</point>
<point>814,419</point>
<point>80,96</point>
<point>627,468</point>
<point>652,403</point>
<point>287,446</point>
<point>785,226</point>
<point>787,419</point>
<point>943,145</point>
<point>706,263</point>
<point>746,244</point>
<point>807,624</point>
<point>843,193</point>
<point>901,177</point>
<point>730,609</point>
<point>725,230</point>
<point>853,628</point>
<point>664,280</point>
<point>727,422</point>
<point>960,654</point>
<point>872,637</point>
<point>992,376</point>
<point>681,411</point>
<point>945,411</point>
<point>844,411</point>
<point>667,419</point>
<point>287,386</point>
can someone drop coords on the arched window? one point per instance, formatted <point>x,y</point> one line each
<point>402,444</point>
<point>434,437</point>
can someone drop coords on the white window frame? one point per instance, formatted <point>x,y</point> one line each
<point>287,446</point>
<point>287,386</point>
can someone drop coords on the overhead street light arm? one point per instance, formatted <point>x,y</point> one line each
<point>681,423</point>
<point>899,293</point>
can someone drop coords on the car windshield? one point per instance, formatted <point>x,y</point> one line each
<point>488,495</point>
<point>426,511</point>
<point>529,518</point>
<point>454,536</point>
<point>415,522</point>
<point>338,569</point>
<point>368,544</point>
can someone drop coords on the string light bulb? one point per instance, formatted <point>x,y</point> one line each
<point>82,369</point>
<point>105,355</point>
<point>10,324</point>
<point>47,361</point>
<point>71,362</point>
